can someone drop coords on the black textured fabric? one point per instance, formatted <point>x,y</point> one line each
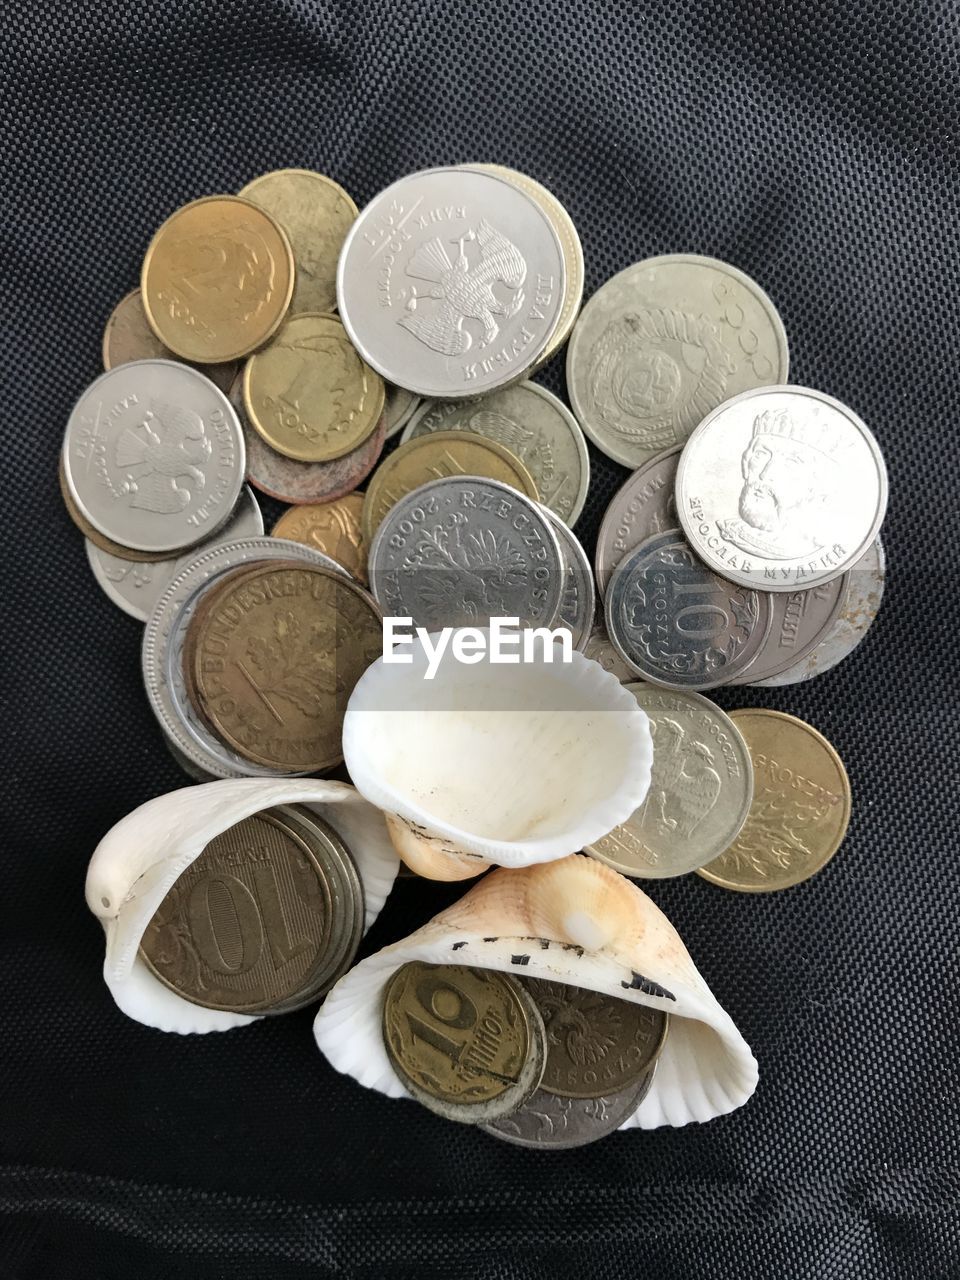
<point>814,143</point>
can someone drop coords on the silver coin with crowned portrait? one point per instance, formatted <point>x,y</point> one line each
<point>451,282</point>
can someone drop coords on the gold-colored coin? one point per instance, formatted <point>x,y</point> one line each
<point>467,1043</point>
<point>217,279</point>
<point>800,810</point>
<point>330,527</point>
<point>429,457</point>
<point>276,660</point>
<point>128,336</point>
<point>309,395</point>
<point>316,214</point>
<point>94,535</point>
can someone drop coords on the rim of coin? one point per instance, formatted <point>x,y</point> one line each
<point>222,375</point>
<point>712,872</point>
<point>273,317</point>
<point>648,484</point>
<point>578,601</point>
<point>771,661</point>
<point>95,536</point>
<point>399,406</point>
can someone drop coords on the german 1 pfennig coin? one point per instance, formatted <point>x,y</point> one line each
<point>578,602</point>
<point>316,213</point>
<point>128,336</point>
<point>153,456</point>
<point>451,282</point>
<point>467,1043</point>
<point>700,789</point>
<point>781,488</point>
<point>677,623</point>
<point>217,279</point>
<point>331,527</point>
<point>642,507</point>
<point>398,408</point>
<point>800,810</point>
<point>663,343</point>
<point>801,619</point>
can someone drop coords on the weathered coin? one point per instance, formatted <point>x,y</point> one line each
<point>398,408</point>
<point>677,623</point>
<point>441,453</point>
<point>569,245</point>
<point>316,213</point>
<point>662,344</point>
<point>550,1122</point>
<point>136,588</point>
<point>800,810</point>
<point>277,659</point>
<point>600,650</point>
<point>115,549</point>
<point>578,602</point>
<point>467,1043</point>
<point>217,279</point>
<point>859,608</point>
<point>309,394</point>
<point>781,488</point>
<point>451,282</point>
<point>641,508</point>
<point>700,789</point>
<point>128,336</point>
<point>535,426</point>
<point>331,527</point>
<point>153,456</point>
<point>800,621</point>
<point>596,1044</point>
<point>462,550</point>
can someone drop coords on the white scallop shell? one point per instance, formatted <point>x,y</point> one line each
<point>138,860</point>
<point>577,922</point>
<point>493,763</point>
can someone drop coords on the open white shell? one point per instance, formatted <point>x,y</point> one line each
<point>577,922</point>
<point>139,859</point>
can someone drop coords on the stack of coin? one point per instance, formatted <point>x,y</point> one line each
<point>536,1063</point>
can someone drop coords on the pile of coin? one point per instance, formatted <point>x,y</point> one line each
<point>536,1063</point>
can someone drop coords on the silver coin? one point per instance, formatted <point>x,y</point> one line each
<point>781,488</point>
<point>677,623</point>
<point>461,550</point>
<point>861,604</point>
<point>398,407</point>
<point>800,621</point>
<point>662,344</point>
<point>599,648</point>
<point>550,1122</point>
<point>161,651</point>
<point>135,587</point>
<point>535,426</point>
<point>700,791</point>
<point>154,456</point>
<point>578,602</point>
<point>451,282</point>
<point>642,507</point>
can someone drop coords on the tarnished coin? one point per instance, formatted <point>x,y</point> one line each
<point>662,344</point>
<point>217,279</point>
<point>676,623</point>
<point>641,508</point>
<point>800,810</point>
<point>596,1044</point>
<point>535,426</point>
<point>128,336</point>
<point>781,488</point>
<point>331,527</point>
<point>859,608</point>
<point>462,550</point>
<point>316,213</point>
<point>153,456</point>
<point>800,621</point>
<point>578,602</point>
<point>700,789</point>
<point>309,394</point>
<point>451,282</point>
<point>277,659</point>
<point>599,648</point>
<point>136,588</point>
<point>107,545</point>
<point>441,453</point>
<point>467,1043</point>
<point>398,408</point>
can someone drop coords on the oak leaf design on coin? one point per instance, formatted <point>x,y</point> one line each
<point>171,449</point>
<point>295,666</point>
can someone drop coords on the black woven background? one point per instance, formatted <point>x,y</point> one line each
<point>815,145</point>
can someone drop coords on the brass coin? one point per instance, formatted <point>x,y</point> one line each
<point>95,536</point>
<point>596,1044</point>
<point>128,336</point>
<point>331,527</point>
<point>217,279</point>
<point>245,925</point>
<point>309,394</point>
<point>277,659</point>
<point>800,810</point>
<point>441,453</point>
<point>316,213</point>
<point>467,1043</point>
